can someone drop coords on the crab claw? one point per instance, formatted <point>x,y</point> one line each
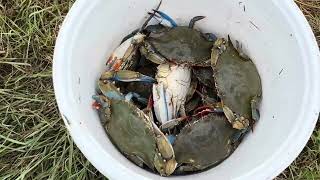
<point>165,17</point>
<point>126,76</point>
<point>126,52</point>
<point>150,53</point>
<point>194,20</point>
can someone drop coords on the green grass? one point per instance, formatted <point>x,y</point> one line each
<point>34,143</point>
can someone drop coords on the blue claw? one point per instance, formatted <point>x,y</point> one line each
<point>166,17</point>
<point>126,76</point>
<point>110,91</point>
<point>130,95</point>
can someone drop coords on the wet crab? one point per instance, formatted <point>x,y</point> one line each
<point>238,84</point>
<point>203,143</point>
<point>133,132</point>
<point>194,47</point>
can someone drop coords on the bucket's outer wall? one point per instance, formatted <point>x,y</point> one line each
<point>273,33</point>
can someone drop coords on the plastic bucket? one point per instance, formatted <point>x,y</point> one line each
<point>274,34</point>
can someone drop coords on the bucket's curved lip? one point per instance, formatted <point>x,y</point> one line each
<point>288,150</point>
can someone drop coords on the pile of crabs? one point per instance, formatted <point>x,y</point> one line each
<point>175,100</point>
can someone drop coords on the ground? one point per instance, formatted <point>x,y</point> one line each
<point>34,143</point>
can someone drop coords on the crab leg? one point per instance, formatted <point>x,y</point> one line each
<point>254,108</point>
<point>150,17</point>
<point>172,123</point>
<point>130,95</point>
<point>194,20</point>
<point>201,111</point>
<point>165,17</point>
<point>110,91</point>
<point>208,108</point>
<point>126,76</point>
<point>206,99</point>
<point>129,36</point>
<point>149,52</point>
<point>237,136</point>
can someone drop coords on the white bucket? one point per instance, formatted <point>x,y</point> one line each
<point>274,34</point>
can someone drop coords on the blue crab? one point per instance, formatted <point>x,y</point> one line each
<point>238,84</point>
<point>175,64</point>
<point>204,142</point>
<point>194,47</point>
<point>133,132</point>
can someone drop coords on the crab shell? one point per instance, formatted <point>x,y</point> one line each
<point>181,45</point>
<point>128,129</point>
<point>238,84</point>
<point>133,132</point>
<point>204,143</point>
<point>135,136</point>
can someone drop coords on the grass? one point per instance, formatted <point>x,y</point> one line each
<point>34,143</point>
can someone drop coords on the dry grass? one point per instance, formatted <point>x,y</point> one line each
<point>307,165</point>
<point>34,143</point>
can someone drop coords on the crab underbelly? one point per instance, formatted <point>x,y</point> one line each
<point>169,94</point>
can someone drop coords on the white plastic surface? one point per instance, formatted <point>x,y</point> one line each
<point>274,34</point>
